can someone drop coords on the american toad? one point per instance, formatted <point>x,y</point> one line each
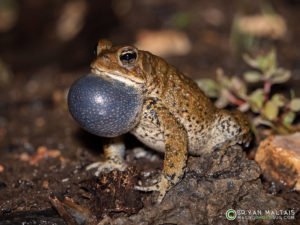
<point>176,118</point>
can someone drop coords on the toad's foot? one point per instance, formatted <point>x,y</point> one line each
<point>107,165</point>
<point>242,140</point>
<point>113,153</point>
<point>162,186</point>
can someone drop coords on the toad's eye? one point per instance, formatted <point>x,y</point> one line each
<point>128,57</point>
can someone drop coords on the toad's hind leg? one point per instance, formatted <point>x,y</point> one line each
<point>231,128</point>
<point>114,153</point>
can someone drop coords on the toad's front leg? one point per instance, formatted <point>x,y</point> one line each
<point>175,138</point>
<point>114,152</point>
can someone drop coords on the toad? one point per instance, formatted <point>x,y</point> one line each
<point>176,118</point>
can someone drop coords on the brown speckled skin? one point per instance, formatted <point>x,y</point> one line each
<point>177,118</point>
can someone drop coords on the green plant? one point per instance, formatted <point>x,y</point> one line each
<point>275,111</point>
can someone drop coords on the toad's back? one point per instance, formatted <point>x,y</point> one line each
<point>207,127</point>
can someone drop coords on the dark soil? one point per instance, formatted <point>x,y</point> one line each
<point>44,153</point>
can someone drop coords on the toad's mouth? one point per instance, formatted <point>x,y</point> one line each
<point>117,76</point>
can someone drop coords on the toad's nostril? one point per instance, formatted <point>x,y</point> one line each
<point>103,107</point>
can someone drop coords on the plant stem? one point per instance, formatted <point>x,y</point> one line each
<point>234,100</point>
<point>267,90</point>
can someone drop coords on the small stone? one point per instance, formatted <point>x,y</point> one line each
<point>1,168</point>
<point>164,43</point>
<point>279,158</point>
<point>270,26</point>
<point>45,184</point>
